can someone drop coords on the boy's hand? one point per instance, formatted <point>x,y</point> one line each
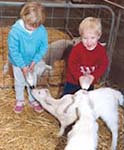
<point>86,81</point>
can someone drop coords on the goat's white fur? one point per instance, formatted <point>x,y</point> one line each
<point>56,50</point>
<point>84,134</point>
<point>104,102</point>
<point>39,69</point>
<point>64,109</point>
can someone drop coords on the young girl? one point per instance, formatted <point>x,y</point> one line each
<point>88,59</point>
<point>28,43</point>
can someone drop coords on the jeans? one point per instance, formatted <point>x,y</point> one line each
<point>70,88</point>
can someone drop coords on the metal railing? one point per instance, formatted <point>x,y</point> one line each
<point>67,16</point>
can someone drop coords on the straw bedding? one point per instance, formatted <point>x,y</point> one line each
<point>26,131</point>
<point>32,131</point>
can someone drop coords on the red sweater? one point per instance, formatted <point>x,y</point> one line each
<point>83,61</point>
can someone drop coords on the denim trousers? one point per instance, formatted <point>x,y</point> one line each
<point>70,88</point>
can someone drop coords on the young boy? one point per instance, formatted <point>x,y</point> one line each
<point>88,59</point>
<point>27,43</point>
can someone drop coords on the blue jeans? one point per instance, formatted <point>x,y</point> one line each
<point>70,88</point>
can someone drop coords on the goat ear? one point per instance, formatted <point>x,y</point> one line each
<point>77,113</point>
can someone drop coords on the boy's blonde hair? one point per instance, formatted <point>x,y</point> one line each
<point>91,23</point>
<point>33,14</point>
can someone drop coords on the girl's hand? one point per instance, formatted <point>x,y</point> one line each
<point>25,70</point>
<point>31,67</point>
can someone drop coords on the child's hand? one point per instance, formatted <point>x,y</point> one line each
<point>31,67</point>
<point>25,70</point>
<point>86,81</point>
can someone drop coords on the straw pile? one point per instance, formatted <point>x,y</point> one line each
<point>54,35</point>
<point>3,51</point>
<point>33,131</point>
<point>26,131</point>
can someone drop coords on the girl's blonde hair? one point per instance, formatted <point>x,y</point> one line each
<point>33,14</point>
<point>91,23</point>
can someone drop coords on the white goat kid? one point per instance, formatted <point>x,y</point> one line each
<point>64,109</point>
<point>104,102</point>
<point>39,69</point>
<point>56,50</point>
<point>84,134</point>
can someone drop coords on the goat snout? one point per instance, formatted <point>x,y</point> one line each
<point>32,87</point>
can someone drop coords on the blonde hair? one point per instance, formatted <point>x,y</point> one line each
<point>91,23</point>
<point>33,13</point>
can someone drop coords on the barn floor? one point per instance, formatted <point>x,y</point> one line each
<point>25,131</point>
<point>32,131</point>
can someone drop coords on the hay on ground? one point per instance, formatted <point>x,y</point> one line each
<point>32,131</point>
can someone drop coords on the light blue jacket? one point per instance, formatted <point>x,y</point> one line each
<point>25,47</point>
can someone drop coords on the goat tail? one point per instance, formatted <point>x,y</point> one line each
<point>120,98</point>
<point>6,68</point>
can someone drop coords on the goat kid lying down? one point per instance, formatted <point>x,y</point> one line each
<point>84,133</point>
<point>64,109</point>
<point>104,102</point>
